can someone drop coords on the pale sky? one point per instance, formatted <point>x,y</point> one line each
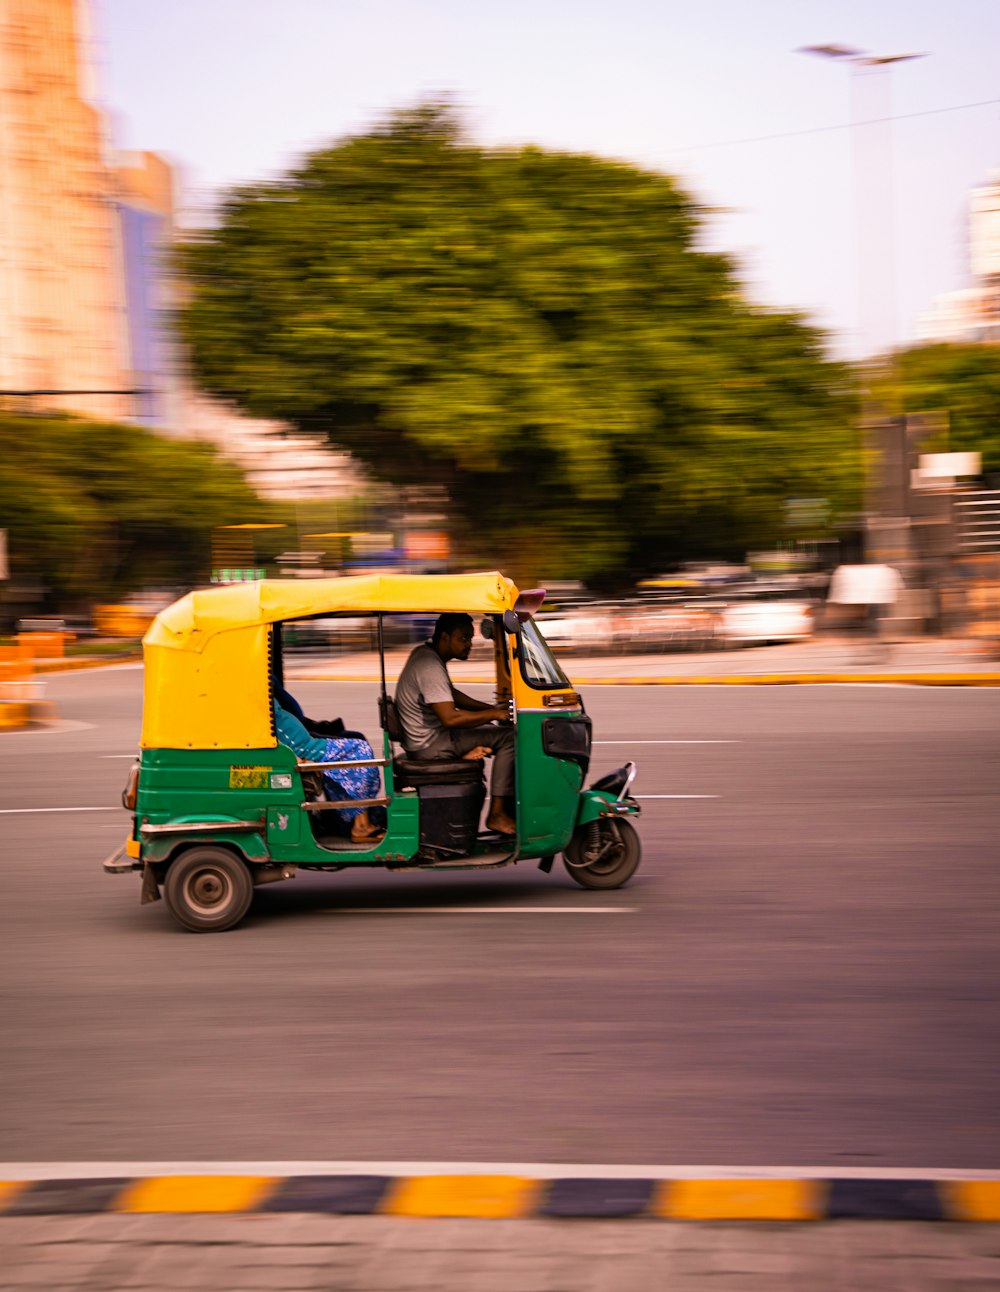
<point>235,90</point>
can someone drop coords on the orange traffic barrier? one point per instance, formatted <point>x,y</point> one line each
<point>18,687</point>
<point>42,645</point>
<point>15,664</point>
<point>123,620</point>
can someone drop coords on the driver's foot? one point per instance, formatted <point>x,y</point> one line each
<point>501,824</point>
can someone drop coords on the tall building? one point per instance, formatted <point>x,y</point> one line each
<point>144,203</point>
<point>973,314</point>
<point>85,282</point>
<point>62,307</point>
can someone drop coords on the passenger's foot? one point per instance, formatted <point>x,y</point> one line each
<point>500,823</point>
<point>370,835</point>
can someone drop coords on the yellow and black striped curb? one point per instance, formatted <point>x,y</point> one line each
<point>913,677</point>
<point>722,679</point>
<point>507,1197</point>
<point>73,663</point>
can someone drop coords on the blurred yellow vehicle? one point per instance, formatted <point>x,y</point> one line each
<point>131,618</point>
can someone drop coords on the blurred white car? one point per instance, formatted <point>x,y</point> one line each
<point>762,620</point>
<point>576,630</point>
<point>668,627</point>
<point>630,626</point>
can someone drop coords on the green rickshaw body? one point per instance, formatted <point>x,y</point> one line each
<point>261,792</point>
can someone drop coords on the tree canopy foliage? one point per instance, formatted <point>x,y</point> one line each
<point>539,332</point>
<point>961,380</point>
<point>93,510</point>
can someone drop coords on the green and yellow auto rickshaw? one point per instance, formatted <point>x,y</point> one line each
<point>219,805</point>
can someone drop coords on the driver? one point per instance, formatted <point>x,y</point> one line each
<point>439,721</point>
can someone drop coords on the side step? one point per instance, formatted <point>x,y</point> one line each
<point>480,861</point>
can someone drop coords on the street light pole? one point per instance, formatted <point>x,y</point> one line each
<point>871,111</point>
<point>887,474</point>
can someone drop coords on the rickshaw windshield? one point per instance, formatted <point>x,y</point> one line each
<point>538,664</point>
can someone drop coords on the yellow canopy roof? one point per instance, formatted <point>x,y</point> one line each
<point>207,655</point>
<point>190,622</point>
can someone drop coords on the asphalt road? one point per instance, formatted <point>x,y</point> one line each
<point>804,971</point>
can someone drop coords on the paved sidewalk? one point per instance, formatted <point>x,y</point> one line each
<point>935,661</point>
<point>162,1253</point>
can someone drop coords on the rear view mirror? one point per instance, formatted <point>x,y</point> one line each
<point>486,629</point>
<point>511,623</point>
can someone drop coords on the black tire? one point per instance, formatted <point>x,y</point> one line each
<point>621,853</point>
<point>208,889</point>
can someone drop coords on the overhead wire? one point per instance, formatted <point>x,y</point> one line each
<point>820,130</point>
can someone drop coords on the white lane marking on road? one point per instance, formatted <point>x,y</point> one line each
<point>18,811</point>
<point>480,910</point>
<point>668,742</point>
<point>676,796</point>
<point>537,1170</point>
<point>801,686</point>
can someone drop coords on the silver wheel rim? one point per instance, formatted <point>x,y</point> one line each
<point>208,891</point>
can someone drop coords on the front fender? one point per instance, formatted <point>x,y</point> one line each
<point>595,804</point>
<point>251,844</point>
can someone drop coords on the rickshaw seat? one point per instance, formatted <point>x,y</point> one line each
<point>414,772</point>
<point>388,716</point>
<point>411,773</point>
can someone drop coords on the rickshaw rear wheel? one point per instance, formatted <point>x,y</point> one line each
<point>208,890</point>
<point>619,852</point>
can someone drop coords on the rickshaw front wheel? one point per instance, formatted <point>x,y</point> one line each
<point>603,854</point>
<point>208,890</point>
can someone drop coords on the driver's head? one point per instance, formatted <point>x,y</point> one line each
<point>452,636</point>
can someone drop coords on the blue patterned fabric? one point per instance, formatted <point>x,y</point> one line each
<point>291,732</point>
<point>350,782</point>
<point>344,782</point>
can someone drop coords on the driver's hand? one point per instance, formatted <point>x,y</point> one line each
<point>478,754</point>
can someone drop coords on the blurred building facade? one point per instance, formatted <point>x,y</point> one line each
<point>278,463</point>
<point>85,283</point>
<point>62,307</point>
<point>973,314</point>
<point>143,197</point>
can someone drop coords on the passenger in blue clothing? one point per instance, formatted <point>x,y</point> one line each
<point>315,726</point>
<point>341,782</point>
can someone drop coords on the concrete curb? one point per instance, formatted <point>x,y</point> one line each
<point>507,1197</point>
<point>75,663</point>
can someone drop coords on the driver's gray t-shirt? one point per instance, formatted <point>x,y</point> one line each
<point>424,681</point>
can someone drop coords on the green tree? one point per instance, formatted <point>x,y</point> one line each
<point>961,380</point>
<point>536,331</point>
<point>94,510</point>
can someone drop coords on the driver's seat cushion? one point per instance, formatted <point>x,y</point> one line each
<point>411,773</point>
